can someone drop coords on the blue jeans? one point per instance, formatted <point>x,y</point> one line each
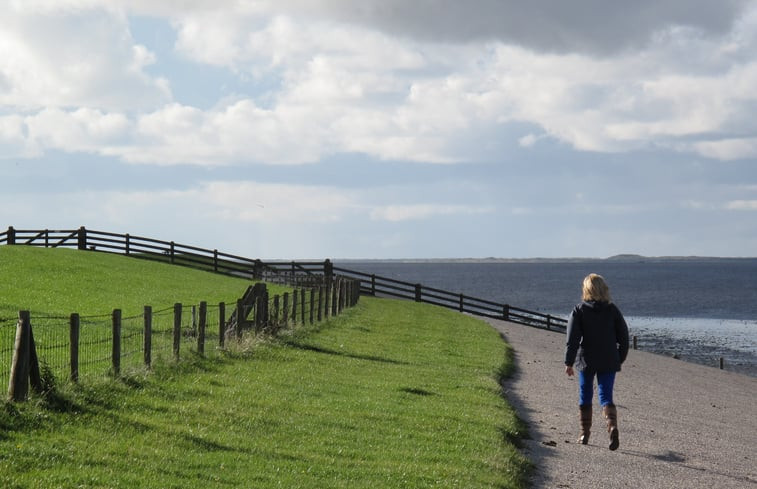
<point>605,382</point>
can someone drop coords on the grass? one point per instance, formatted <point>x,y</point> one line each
<point>50,281</point>
<point>389,394</point>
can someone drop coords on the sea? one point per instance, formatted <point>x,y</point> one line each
<point>695,309</point>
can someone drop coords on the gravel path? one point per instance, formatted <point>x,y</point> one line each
<point>681,425</point>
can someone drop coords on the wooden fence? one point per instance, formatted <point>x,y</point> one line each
<point>297,273</point>
<point>76,345</point>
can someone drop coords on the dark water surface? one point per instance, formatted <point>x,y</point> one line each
<point>698,310</point>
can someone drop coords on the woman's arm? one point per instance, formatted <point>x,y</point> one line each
<point>573,335</point>
<point>621,335</point>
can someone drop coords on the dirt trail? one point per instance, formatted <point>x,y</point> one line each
<point>681,425</point>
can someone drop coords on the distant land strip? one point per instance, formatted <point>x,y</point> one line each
<point>616,258</point>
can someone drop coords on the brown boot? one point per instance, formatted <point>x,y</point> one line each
<point>585,420</point>
<point>611,415</point>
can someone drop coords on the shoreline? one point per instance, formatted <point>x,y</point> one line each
<point>703,355</point>
<point>702,341</point>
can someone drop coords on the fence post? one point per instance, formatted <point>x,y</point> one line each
<point>328,270</point>
<point>274,320</point>
<point>549,321</point>
<point>373,285</point>
<point>635,342</point>
<point>11,235</point>
<point>418,291</point>
<point>342,295</point>
<point>257,270</point>
<point>259,311</point>
<point>326,293</point>
<point>18,386</point>
<point>266,301</point>
<point>82,238</point>
<point>127,243</point>
<point>321,291</point>
<point>215,261</point>
<point>335,296</point>
<point>194,320</point>
<point>240,318</point>
<point>285,315</point>
<point>172,251</point>
<point>295,303</point>
<point>176,330</point>
<point>221,323</point>
<point>201,328</point>
<point>116,357</point>
<point>302,308</point>
<point>462,303</point>
<point>73,337</point>
<point>148,337</point>
<point>506,312</point>
<point>312,304</point>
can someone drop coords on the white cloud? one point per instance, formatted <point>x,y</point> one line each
<point>345,82</point>
<point>742,205</point>
<point>728,149</point>
<point>277,203</point>
<point>529,140</point>
<point>72,57</point>
<point>14,141</point>
<point>239,132</point>
<point>85,130</point>
<point>397,213</point>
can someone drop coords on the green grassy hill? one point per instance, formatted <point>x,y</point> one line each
<point>62,281</point>
<point>389,394</point>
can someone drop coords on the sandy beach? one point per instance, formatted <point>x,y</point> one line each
<point>682,425</point>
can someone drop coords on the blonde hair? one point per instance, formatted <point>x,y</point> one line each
<point>595,289</point>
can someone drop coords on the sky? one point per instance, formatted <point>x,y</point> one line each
<point>312,129</point>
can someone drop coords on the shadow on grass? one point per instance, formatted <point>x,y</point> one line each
<point>517,433</point>
<point>506,373</point>
<point>417,392</point>
<point>328,351</point>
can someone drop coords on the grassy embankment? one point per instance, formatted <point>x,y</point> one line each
<point>390,394</point>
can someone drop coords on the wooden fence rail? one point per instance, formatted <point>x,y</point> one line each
<point>375,285</point>
<point>295,273</point>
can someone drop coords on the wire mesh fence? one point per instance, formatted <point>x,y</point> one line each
<point>95,343</point>
<point>50,337</point>
<point>162,333</point>
<point>7,341</point>
<point>76,347</point>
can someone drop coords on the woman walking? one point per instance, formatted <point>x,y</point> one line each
<point>597,343</point>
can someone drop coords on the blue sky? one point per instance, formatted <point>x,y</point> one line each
<point>300,129</point>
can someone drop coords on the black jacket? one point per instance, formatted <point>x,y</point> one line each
<point>598,335</point>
